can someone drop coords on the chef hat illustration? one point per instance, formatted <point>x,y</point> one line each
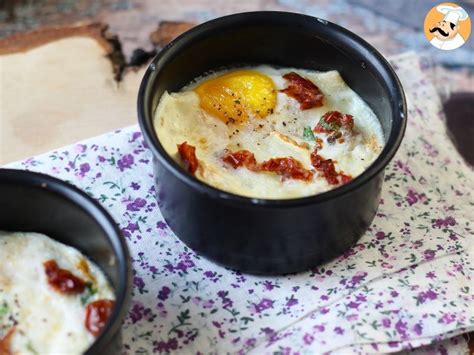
<point>452,14</point>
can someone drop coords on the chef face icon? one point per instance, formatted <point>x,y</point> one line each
<point>444,30</point>
<point>447,26</point>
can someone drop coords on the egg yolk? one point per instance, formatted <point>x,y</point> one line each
<point>235,96</point>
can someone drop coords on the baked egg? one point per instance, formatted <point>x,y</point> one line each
<point>52,298</point>
<point>272,133</point>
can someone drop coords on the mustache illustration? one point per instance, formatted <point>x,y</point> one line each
<point>443,33</point>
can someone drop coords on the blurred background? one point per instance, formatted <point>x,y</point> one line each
<point>391,26</point>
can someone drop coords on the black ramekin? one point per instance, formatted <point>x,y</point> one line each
<point>262,235</point>
<point>33,202</point>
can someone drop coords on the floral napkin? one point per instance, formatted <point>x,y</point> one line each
<point>406,283</point>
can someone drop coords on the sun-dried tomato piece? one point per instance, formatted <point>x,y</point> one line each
<point>187,153</point>
<point>326,166</point>
<point>240,158</point>
<point>345,178</point>
<point>97,314</point>
<point>288,167</point>
<point>333,121</point>
<point>303,90</point>
<point>63,280</point>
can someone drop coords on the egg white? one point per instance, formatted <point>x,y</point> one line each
<point>179,118</point>
<point>47,321</point>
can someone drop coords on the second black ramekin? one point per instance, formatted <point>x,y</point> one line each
<point>33,202</point>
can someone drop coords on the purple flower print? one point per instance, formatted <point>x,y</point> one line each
<point>404,168</point>
<point>84,168</point>
<point>139,312</point>
<point>136,205</point>
<point>135,136</point>
<point>319,328</point>
<point>80,148</point>
<point>386,322</point>
<point>353,305</point>
<point>262,305</point>
<point>308,339</point>
<point>356,279</point>
<point>418,328</point>
<point>426,295</point>
<point>185,263</point>
<point>101,158</point>
<point>161,225</point>
<point>135,186</point>
<point>226,301</point>
<point>268,285</point>
<point>291,302</point>
<point>394,293</point>
<point>429,254</point>
<point>210,274</point>
<point>413,197</point>
<point>268,332</point>
<point>125,162</point>
<point>208,304</point>
<point>447,318</point>
<point>132,227</point>
<point>138,282</point>
<point>251,342</point>
<point>162,312</point>
<point>361,298</point>
<point>401,328</point>
<point>129,229</point>
<point>165,346</point>
<point>380,235</point>
<point>164,293</point>
<point>430,275</point>
<point>444,223</point>
<point>136,313</point>
<point>338,330</point>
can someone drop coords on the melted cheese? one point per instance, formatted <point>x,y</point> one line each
<point>46,321</point>
<point>180,117</point>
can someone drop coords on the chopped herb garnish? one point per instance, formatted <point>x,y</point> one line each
<point>308,133</point>
<point>88,293</point>
<point>3,309</point>
<point>30,348</point>
<point>332,126</point>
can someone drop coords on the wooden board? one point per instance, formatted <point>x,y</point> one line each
<point>61,85</point>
